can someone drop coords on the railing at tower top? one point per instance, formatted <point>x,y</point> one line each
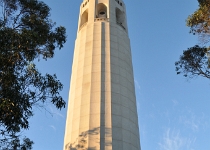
<point>101,19</point>
<point>83,25</point>
<point>120,24</point>
<point>96,20</point>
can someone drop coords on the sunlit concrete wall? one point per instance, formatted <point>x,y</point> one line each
<point>102,112</point>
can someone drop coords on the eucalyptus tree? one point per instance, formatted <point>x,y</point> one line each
<point>26,34</point>
<point>195,60</point>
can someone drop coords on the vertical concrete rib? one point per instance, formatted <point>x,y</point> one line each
<point>103,81</point>
<point>108,115</point>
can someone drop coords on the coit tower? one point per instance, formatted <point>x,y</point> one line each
<point>102,113</point>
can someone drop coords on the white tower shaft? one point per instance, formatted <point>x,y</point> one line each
<point>102,112</point>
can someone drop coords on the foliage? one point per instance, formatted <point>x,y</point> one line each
<point>193,62</point>
<point>199,21</point>
<point>196,61</point>
<point>15,144</point>
<point>26,34</point>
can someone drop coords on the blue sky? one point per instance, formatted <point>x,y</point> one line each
<point>173,111</point>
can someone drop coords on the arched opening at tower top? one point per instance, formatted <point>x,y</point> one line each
<point>84,18</point>
<point>120,17</point>
<point>101,11</point>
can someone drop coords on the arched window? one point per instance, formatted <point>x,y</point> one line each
<point>101,11</point>
<point>84,18</point>
<point>120,17</point>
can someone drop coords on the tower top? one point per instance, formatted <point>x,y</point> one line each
<point>120,2</point>
<point>113,11</point>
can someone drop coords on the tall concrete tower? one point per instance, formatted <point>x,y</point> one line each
<point>102,113</point>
